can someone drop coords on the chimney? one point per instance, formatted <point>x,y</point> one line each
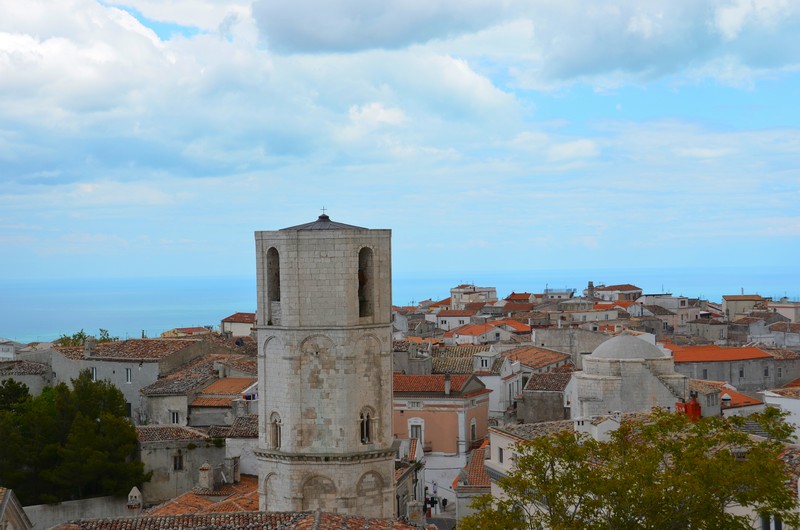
<point>88,346</point>
<point>206,478</point>
<point>447,384</point>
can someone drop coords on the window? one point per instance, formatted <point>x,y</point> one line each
<point>741,372</point>
<point>128,375</point>
<point>273,275</point>
<point>705,373</point>
<point>177,461</point>
<point>415,404</point>
<point>780,372</point>
<point>275,431</point>
<point>500,454</point>
<point>174,416</point>
<point>365,421</point>
<point>473,430</point>
<point>766,371</point>
<point>128,409</point>
<point>365,277</point>
<point>416,429</point>
<point>484,362</point>
<point>94,373</point>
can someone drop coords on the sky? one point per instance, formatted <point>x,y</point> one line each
<point>151,138</point>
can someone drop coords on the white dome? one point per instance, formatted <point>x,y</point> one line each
<point>627,347</point>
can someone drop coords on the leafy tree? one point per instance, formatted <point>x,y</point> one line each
<point>662,473</point>
<point>79,337</point>
<point>70,443</point>
<point>13,395</point>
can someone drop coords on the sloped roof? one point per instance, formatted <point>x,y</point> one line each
<point>627,346</point>
<point>548,382</point>
<point>239,520</point>
<point>8,368</point>
<point>742,298</point>
<point>618,287</point>
<point>323,222</point>
<point>131,349</point>
<point>455,313</point>
<point>713,353</point>
<point>785,327</point>
<point>531,431</point>
<point>244,427</point>
<point>428,384</point>
<point>241,318</point>
<point>196,373</point>
<point>535,357</point>
<point>162,433</point>
<point>473,476</point>
<point>230,385</point>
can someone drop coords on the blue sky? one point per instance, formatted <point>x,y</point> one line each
<point>152,138</point>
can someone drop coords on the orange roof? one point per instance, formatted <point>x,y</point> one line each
<point>535,357</point>
<point>241,318</point>
<point>624,304</point>
<point>742,298</point>
<point>519,296</point>
<point>427,383</point>
<point>229,385</point>
<point>455,313</point>
<point>511,323</point>
<point>713,353</point>
<point>792,384</point>
<point>737,398</point>
<point>446,301</point>
<point>211,402</point>
<point>474,473</point>
<point>620,287</point>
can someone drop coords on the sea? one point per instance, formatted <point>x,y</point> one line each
<point>44,309</point>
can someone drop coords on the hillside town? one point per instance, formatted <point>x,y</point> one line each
<point>329,407</point>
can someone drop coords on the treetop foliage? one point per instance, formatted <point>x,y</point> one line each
<point>661,473</point>
<point>67,443</point>
<point>79,338</point>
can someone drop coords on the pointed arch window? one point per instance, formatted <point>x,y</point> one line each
<point>365,422</point>
<point>275,431</point>
<point>273,275</point>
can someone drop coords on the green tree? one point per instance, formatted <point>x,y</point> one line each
<point>13,395</point>
<point>79,337</point>
<point>70,443</point>
<point>662,473</point>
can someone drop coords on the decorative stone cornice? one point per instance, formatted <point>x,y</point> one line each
<point>280,456</point>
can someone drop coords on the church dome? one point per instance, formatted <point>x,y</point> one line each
<point>627,347</point>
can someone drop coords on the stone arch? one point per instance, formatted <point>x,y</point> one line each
<point>268,492</point>
<point>319,493</point>
<point>367,423</point>
<point>272,346</point>
<point>273,275</point>
<point>366,282</point>
<point>316,345</point>
<point>369,494</point>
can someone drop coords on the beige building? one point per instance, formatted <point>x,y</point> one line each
<point>324,338</point>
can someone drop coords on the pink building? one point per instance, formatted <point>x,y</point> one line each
<point>447,413</point>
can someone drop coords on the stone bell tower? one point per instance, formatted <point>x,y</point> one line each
<point>324,369</point>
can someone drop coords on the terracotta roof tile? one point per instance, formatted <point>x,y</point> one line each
<point>474,476</point>
<point>433,383</point>
<point>743,298</point>
<point>519,297</point>
<point>455,313</point>
<point>618,287</point>
<point>161,433</point>
<point>548,382</point>
<point>785,327</point>
<point>8,368</point>
<point>713,353</point>
<point>244,427</point>
<point>195,373</point>
<point>535,357</point>
<point>241,318</point>
<point>133,349</point>
<point>211,402</point>
<point>230,385</point>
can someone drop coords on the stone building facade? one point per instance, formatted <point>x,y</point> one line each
<point>325,369</point>
<point>626,374</point>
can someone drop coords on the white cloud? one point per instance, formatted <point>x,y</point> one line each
<point>573,150</point>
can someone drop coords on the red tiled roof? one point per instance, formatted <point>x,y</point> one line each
<point>455,313</point>
<point>519,296</point>
<point>785,327</point>
<point>230,385</point>
<point>548,381</point>
<point>535,357</point>
<point>427,383</point>
<point>161,433</point>
<point>211,402</point>
<point>742,298</point>
<point>446,301</point>
<point>474,475</point>
<point>713,353</point>
<point>619,287</point>
<point>241,318</point>
<point>138,349</point>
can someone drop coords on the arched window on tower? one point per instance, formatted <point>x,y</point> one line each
<point>273,275</point>
<point>275,431</point>
<point>365,423</point>
<point>365,281</point>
